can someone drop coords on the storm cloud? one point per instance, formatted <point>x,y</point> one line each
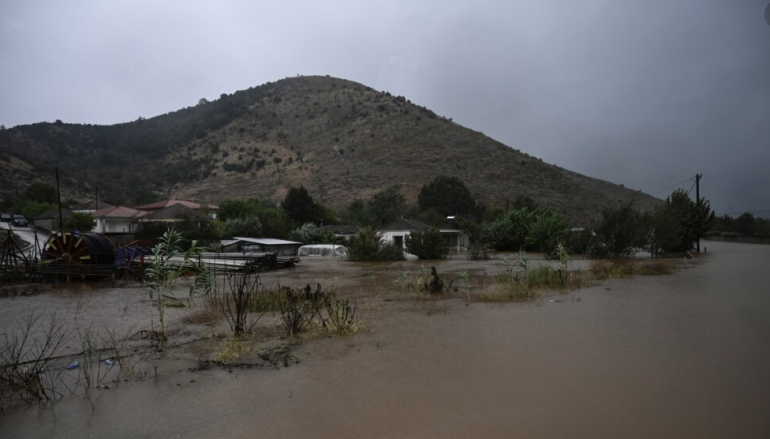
<point>644,94</point>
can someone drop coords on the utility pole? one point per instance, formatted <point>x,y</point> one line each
<point>697,206</point>
<point>58,196</point>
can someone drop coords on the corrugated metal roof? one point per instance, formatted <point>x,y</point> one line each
<point>265,241</point>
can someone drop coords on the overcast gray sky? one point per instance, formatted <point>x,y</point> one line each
<point>642,93</point>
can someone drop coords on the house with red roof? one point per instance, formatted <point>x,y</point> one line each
<point>211,209</point>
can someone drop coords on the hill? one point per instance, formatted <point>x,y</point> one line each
<point>340,139</point>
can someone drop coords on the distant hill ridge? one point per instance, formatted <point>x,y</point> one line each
<point>340,139</point>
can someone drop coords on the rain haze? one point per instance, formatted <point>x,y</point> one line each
<point>644,94</point>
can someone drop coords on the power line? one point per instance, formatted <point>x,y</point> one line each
<point>740,213</point>
<point>691,187</point>
<point>673,185</point>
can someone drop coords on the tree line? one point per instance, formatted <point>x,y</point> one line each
<point>622,230</point>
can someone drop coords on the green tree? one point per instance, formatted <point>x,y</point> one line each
<point>547,232</point>
<point>300,206</point>
<point>30,208</point>
<point>524,201</point>
<point>237,209</point>
<point>250,227</point>
<point>83,222</point>
<point>693,219</point>
<point>40,192</point>
<point>447,196</point>
<point>358,213</point>
<point>428,244</point>
<point>368,246</point>
<point>387,205</point>
<point>310,233</point>
<point>619,233</point>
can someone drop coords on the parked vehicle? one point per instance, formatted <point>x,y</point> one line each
<point>19,221</point>
<point>5,218</point>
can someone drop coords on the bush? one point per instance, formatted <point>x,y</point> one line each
<point>428,244</point>
<point>478,252</point>
<point>248,227</point>
<point>309,233</point>
<point>546,232</point>
<point>83,222</point>
<point>367,245</point>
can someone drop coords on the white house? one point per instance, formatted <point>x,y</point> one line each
<point>396,232</point>
<point>117,219</point>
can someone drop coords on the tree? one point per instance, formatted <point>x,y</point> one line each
<point>358,213</point>
<point>547,231</point>
<point>620,232</point>
<point>524,201</point>
<point>428,244</point>
<point>41,192</point>
<point>693,219</point>
<point>300,206</point>
<point>310,233</point>
<point>447,196</point>
<point>368,245</point>
<point>82,222</point>
<point>387,205</point>
<point>237,209</point>
<point>249,227</point>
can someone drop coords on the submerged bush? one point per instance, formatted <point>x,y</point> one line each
<point>428,244</point>
<point>368,246</point>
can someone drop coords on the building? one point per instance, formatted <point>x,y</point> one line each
<point>210,209</point>
<point>260,245</point>
<point>175,213</point>
<point>49,220</point>
<point>117,219</point>
<point>396,232</point>
<point>343,231</point>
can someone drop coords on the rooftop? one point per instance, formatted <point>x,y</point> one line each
<point>168,203</point>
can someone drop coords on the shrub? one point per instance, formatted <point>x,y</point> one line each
<point>478,252</point>
<point>250,227</point>
<point>428,244</point>
<point>367,245</point>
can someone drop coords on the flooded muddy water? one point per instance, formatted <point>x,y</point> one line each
<point>677,356</point>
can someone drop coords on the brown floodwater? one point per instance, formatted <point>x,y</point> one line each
<point>679,356</point>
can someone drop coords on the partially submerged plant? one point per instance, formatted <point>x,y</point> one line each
<point>164,269</point>
<point>26,360</point>
<point>340,316</point>
<point>300,307</point>
<point>465,278</point>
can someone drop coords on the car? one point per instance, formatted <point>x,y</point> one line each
<point>5,218</point>
<point>19,221</point>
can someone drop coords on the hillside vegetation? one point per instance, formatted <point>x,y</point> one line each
<point>339,139</point>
